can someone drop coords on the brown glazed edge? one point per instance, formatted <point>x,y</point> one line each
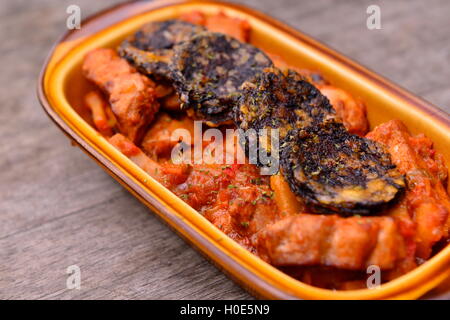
<point>259,288</point>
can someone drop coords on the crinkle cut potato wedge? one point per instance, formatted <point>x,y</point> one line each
<point>62,89</point>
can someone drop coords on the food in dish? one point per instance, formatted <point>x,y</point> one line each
<point>263,213</point>
<point>427,200</point>
<point>335,171</point>
<point>206,68</point>
<point>325,165</point>
<point>308,239</point>
<point>130,94</point>
<point>208,71</point>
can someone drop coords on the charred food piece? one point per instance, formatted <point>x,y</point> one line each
<point>150,49</point>
<point>274,99</point>
<point>335,171</point>
<point>164,34</point>
<point>331,169</point>
<point>209,70</point>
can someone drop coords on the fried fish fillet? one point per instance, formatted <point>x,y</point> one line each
<point>331,169</point>
<point>208,71</point>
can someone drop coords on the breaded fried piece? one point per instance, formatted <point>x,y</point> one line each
<point>150,48</point>
<point>328,240</point>
<point>426,199</point>
<point>208,71</point>
<point>332,170</point>
<point>131,94</point>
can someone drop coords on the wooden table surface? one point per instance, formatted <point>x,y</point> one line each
<point>59,208</point>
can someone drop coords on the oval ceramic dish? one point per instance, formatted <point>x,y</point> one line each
<point>61,88</point>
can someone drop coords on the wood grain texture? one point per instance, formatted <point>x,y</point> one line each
<point>58,208</point>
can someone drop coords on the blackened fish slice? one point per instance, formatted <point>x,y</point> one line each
<point>209,70</point>
<point>151,63</point>
<point>331,169</point>
<point>164,34</point>
<point>281,100</point>
<point>339,172</point>
<point>151,48</point>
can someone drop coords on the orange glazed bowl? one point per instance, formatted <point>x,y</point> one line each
<point>62,87</point>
